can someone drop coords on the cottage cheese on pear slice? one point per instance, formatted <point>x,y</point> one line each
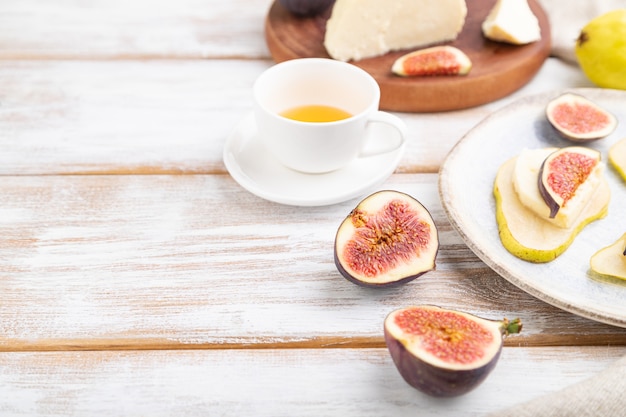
<point>360,29</point>
<point>530,237</point>
<point>525,183</point>
<point>512,21</point>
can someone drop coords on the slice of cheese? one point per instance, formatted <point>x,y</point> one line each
<point>360,29</point>
<point>512,21</point>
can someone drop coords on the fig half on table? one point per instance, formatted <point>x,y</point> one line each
<point>443,352</point>
<point>387,239</point>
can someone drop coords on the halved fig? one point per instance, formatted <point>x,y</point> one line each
<point>617,157</point>
<point>579,119</point>
<point>387,239</point>
<point>563,172</point>
<point>437,60</point>
<point>611,260</point>
<point>443,352</point>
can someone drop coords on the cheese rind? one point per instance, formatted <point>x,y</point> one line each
<point>360,29</point>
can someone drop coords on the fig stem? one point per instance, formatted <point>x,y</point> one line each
<point>508,327</point>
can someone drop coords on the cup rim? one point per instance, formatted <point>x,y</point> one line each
<point>373,105</point>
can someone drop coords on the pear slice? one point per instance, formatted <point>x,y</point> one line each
<point>530,237</point>
<point>617,157</point>
<point>611,260</point>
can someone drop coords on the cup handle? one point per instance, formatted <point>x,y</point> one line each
<point>390,120</point>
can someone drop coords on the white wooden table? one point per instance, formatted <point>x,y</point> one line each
<point>138,278</point>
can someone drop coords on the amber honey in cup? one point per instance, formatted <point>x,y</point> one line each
<point>316,113</point>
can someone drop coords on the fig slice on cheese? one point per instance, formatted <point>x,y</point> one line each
<point>526,179</point>
<point>568,176</point>
<point>532,237</point>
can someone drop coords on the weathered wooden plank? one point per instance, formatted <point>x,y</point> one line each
<point>162,117</point>
<point>100,29</point>
<point>195,261</point>
<point>303,382</point>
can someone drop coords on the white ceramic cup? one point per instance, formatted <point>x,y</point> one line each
<point>318,147</point>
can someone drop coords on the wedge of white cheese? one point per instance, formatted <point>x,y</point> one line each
<point>512,21</point>
<point>360,29</point>
<point>525,183</point>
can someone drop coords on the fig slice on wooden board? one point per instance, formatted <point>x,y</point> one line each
<point>579,119</point>
<point>533,238</point>
<point>611,260</point>
<point>617,157</point>
<point>389,238</point>
<point>565,174</point>
<point>444,352</point>
<point>436,60</point>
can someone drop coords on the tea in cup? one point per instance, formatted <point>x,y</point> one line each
<point>315,115</point>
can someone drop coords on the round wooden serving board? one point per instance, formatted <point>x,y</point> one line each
<point>498,69</point>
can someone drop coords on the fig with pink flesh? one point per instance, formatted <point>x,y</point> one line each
<point>563,172</point>
<point>443,352</point>
<point>437,60</point>
<point>579,119</point>
<point>387,239</point>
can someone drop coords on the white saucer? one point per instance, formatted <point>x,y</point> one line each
<point>255,169</point>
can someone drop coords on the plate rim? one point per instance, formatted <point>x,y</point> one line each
<point>446,199</point>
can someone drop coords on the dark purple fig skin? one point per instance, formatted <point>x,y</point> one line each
<point>389,284</point>
<point>306,8</point>
<point>546,195</point>
<point>433,380</point>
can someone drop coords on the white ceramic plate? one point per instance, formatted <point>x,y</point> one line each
<point>256,170</point>
<point>466,188</point>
